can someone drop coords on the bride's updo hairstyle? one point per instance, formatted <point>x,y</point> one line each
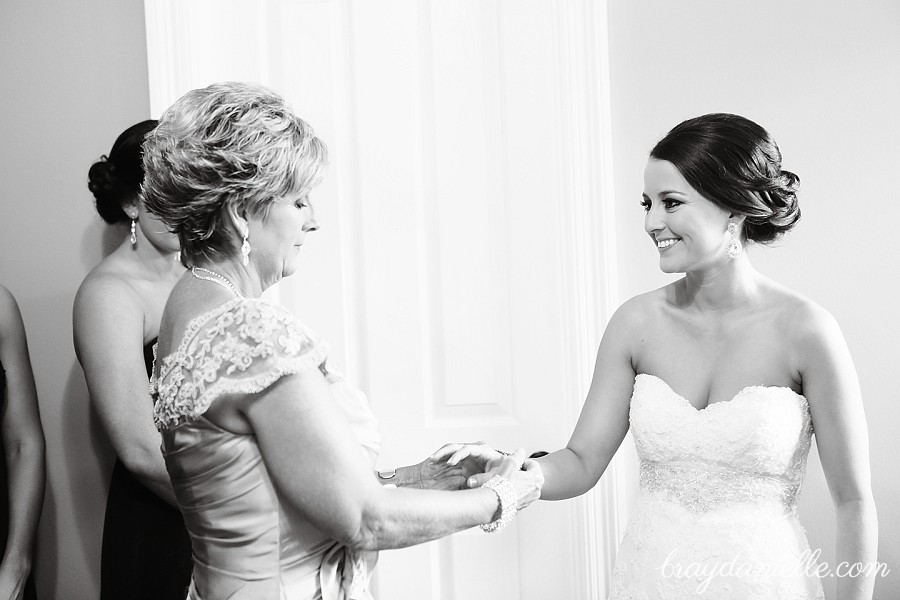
<point>734,163</point>
<point>227,145</point>
<point>116,179</point>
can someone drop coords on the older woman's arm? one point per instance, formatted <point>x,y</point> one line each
<point>109,329</point>
<point>23,443</point>
<point>831,386</point>
<point>304,438</point>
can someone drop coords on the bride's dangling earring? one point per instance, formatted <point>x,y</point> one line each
<point>133,238</point>
<point>733,247</point>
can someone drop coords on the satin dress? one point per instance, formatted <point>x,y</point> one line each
<point>248,543</point>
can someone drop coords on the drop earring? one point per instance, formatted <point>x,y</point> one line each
<point>133,237</point>
<point>733,247</point>
<point>245,251</point>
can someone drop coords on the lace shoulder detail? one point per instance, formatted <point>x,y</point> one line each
<point>241,347</point>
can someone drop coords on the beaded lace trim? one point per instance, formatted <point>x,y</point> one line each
<point>701,488</point>
<point>241,347</point>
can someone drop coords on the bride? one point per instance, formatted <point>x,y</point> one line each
<point>723,376</point>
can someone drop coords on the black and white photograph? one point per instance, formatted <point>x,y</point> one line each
<point>449,300</point>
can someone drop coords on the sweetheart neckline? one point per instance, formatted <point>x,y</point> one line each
<point>741,392</point>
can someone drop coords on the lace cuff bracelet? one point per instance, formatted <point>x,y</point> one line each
<point>508,503</point>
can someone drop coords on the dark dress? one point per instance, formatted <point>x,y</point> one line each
<point>146,548</point>
<point>4,496</point>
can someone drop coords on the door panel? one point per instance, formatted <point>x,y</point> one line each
<point>460,272</point>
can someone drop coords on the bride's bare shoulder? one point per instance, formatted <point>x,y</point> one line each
<point>793,308</point>
<point>803,325</point>
<point>643,310</point>
<point>648,303</point>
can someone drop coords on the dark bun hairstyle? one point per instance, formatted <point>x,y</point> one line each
<point>116,178</point>
<point>736,164</point>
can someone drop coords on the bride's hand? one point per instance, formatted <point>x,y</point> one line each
<point>525,475</point>
<point>528,482</point>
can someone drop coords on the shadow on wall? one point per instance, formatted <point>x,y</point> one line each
<point>88,479</point>
<point>80,484</point>
<point>79,457</point>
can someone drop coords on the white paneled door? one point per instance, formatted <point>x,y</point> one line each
<point>461,270</point>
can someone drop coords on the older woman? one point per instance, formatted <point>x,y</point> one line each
<point>270,451</point>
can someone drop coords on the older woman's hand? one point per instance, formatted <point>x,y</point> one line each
<point>524,474</point>
<point>482,460</point>
<point>435,473</point>
<point>438,475</point>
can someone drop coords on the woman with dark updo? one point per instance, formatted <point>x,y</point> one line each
<point>146,551</point>
<point>722,377</point>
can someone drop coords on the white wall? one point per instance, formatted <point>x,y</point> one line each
<point>823,78</point>
<point>74,75</point>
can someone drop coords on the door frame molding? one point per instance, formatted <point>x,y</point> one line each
<point>590,270</point>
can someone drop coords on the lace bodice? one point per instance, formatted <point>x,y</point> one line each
<point>717,515</point>
<point>242,346</point>
<point>247,541</point>
<point>748,449</point>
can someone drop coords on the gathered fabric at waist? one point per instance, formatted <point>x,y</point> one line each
<point>701,487</point>
<point>223,587</point>
<point>339,574</point>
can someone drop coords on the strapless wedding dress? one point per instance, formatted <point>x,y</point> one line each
<point>717,514</point>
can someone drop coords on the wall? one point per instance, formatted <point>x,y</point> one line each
<point>74,75</point>
<point>823,78</point>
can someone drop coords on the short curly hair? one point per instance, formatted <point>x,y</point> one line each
<point>734,163</point>
<point>228,144</point>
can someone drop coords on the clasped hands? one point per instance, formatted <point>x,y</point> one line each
<point>461,466</point>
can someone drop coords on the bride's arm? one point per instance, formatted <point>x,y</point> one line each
<point>603,422</point>
<point>831,386</point>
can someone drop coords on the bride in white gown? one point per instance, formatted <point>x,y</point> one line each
<point>723,376</point>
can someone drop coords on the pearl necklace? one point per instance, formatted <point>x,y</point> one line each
<point>217,279</point>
